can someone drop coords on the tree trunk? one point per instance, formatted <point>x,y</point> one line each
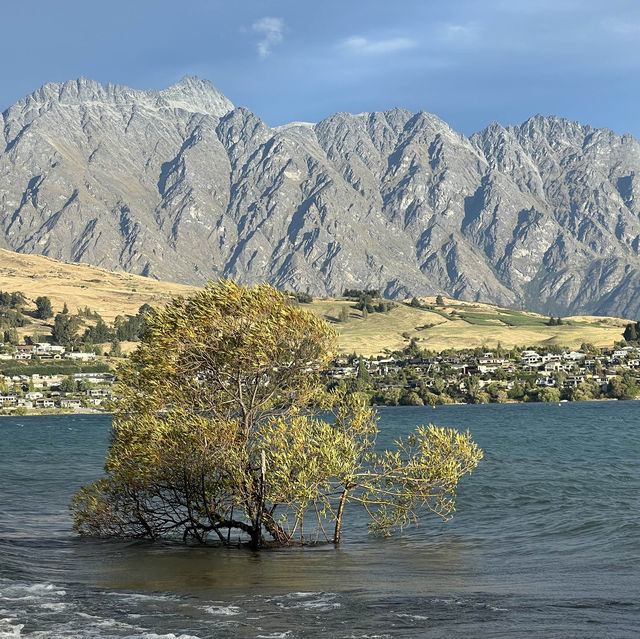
<point>337,536</point>
<point>256,536</point>
<point>276,531</point>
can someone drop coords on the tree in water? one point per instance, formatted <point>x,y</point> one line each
<point>222,431</point>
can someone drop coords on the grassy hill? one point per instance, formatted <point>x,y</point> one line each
<point>454,325</point>
<point>460,325</point>
<point>79,285</point>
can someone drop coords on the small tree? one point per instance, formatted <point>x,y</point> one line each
<point>439,300</point>
<point>362,378</point>
<point>64,329</point>
<point>215,433</point>
<point>116,349</point>
<point>631,332</point>
<point>44,309</point>
<point>68,385</point>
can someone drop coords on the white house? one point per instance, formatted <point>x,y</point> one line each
<point>81,356</point>
<point>530,358</point>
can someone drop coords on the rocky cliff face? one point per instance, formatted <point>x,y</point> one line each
<point>181,185</point>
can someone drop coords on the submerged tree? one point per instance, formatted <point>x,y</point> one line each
<point>222,430</point>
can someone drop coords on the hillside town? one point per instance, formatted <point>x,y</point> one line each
<point>51,377</point>
<point>484,376</point>
<point>53,380</point>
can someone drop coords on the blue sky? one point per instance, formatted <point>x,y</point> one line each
<point>468,61</point>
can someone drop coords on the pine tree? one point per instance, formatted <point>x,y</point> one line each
<point>44,310</point>
<point>630,333</point>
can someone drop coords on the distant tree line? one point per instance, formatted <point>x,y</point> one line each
<point>301,298</point>
<point>367,301</point>
<point>34,367</point>
<point>11,311</point>
<point>416,303</point>
<point>356,293</point>
<point>66,327</point>
<point>128,328</point>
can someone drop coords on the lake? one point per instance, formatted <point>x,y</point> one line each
<point>545,543</point>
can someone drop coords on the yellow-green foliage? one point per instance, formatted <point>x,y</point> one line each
<point>423,472</point>
<point>217,430</point>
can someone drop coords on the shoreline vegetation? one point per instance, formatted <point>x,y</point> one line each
<point>88,411</point>
<point>415,378</point>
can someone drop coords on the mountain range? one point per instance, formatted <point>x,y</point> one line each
<point>181,185</point>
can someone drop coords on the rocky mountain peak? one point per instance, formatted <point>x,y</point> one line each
<point>191,94</point>
<point>195,94</point>
<point>179,184</point>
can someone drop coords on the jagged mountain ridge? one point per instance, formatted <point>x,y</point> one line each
<point>181,185</point>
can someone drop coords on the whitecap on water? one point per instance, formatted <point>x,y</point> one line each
<point>403,615</point>
<point>58,606</point>
<point>16,592</point>
<point>10,629</point>
<point>320,601</point>
<point>225,611</point>
<point>139,596</point>
<point>156,636</point>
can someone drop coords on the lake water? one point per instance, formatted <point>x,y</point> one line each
<point>545,543</point>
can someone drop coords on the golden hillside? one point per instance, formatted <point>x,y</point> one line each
<point>455,325</point>
<point>79,285</point>
<point>461,325</point>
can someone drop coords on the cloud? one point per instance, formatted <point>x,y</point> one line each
<point>625,29</point>
<point>364,46</point>
<point>457,30</point>
<point>272,30</point>
<point>458,33</point>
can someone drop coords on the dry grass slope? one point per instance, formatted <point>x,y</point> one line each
<point>455,325</point>
<point>460,325</point>
<point>79,285</point>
